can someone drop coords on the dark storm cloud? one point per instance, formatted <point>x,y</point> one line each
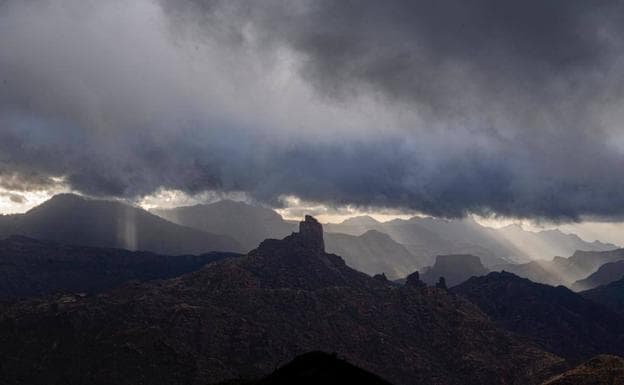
<point>446,107</point>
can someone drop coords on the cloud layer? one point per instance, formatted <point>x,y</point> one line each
<point>445,107</point>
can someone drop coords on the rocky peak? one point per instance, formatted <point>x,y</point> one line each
<point>413,280</point>
<point>311,233</point>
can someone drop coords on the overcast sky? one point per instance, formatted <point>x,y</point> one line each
<point>445,107</point>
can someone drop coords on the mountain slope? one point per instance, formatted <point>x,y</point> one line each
<point>455,269</point>
<point>248,224</point>
<point>601,370</point>
<point>607,273</point>
<point>611,295</point>
<point>556,318</point>
<point>373,253</point>
<point>30,267</point>
<point>241,318</point>
<point>72,219</point>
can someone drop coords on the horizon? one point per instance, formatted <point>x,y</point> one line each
<point>588,232</point>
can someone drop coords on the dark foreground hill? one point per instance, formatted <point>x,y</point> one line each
<point>29,267</point>
<point>75,220</point>
<point>601,370</point>
<point>611,295</point>
<point>243,317</point>
<point>316,368</point>
<point>559,320</point>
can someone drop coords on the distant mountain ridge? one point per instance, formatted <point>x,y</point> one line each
<point>564,271</point>
<point>374,252</point>
<point>431,237</point>
<point>607,273</point>
<point>246,223</point>
<point>423,238</point>
<point>76,220</point>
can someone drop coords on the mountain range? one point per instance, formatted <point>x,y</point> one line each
<point>565,271</point>
<point>607,273</point>
<point>246,223</point>
<point>429,237</point>
<point>407,245</point>
<point>76,220</point>
<point>241,318</point>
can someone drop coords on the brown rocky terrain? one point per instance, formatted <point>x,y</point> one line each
<point>556,318</point>
<point>601,370</point>
<point>241,318</point>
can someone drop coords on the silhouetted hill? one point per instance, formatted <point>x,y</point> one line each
<point>316,368</point>
<point>556,318</point>
<point>454,268</point>
<point>564,271</point>
<point>242,317</point>
<point>30,267</point>
<point>600,370</point>
<point>248,224</point>
<point>373,253</point>
<point>75,220</point>
<point>607,273</point>
<point>610,295</point>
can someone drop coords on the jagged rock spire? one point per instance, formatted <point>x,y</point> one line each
<point>413,280</point>
<point>311,233</point>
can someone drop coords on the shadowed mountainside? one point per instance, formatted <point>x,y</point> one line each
<point>601,370</point>
<point>242,317</point>
<point>559,320</point>
<point>74,220</point>
<point>31,267</point>
<point>610,295</point>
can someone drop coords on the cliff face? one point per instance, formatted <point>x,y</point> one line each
<point>243,317</point>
